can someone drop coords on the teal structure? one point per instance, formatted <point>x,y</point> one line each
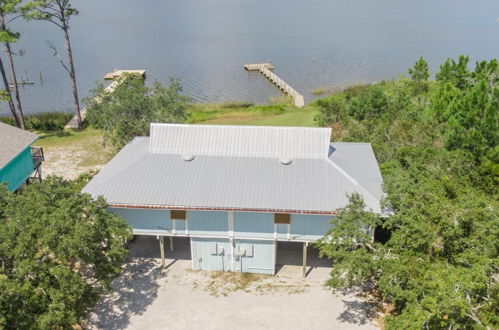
<point>18,170</point>
<point>18,159</point>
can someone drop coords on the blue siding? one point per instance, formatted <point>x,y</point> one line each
<point>18,170</point>
<point>208,223</point>
<point>262,260</point>
<point>145,219</point>
<point>309,227</point>
<point>205,257</point>
<point>211,223</point>
<point>248,224</point>
<point>215,254</point>
<point>253,256</point>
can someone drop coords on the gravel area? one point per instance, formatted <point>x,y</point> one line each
<point>145,297</point>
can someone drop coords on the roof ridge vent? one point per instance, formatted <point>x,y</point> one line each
<point>285,161</point>
<point>188,157</point>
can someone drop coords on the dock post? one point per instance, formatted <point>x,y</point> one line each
<point>305,246</point>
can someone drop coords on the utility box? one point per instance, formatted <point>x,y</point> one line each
<point>248,250</point>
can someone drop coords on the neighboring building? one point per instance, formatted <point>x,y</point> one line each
<point>236,191</point>
<point>19,161</point>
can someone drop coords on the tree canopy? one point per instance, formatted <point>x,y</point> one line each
<point>439,158</point>
<point>58,250</point>
<point>128,111</point>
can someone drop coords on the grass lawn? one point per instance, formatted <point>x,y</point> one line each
<point>70,153</point>
<point>271,115</point>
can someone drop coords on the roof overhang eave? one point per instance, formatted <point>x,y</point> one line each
<point>228,209</point>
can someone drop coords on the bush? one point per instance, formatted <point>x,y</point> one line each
<point>370,104</point>
<point>331,110</point>
<point>44,121</point>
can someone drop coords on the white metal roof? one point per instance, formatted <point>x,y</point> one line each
<point>240,141</point>
<point>13,141</point>
<point>138,177</point>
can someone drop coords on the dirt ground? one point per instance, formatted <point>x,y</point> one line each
<point>71,153</point>
<point>145,297</point>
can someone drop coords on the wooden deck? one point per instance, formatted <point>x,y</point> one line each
<point>264,68</point>
<point>73,123</point>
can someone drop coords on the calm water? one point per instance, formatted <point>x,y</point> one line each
<point>205,43</point>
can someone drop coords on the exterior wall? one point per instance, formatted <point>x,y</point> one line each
<point>208,223</point>
<point>303,227</point>
<point>247,224</point>
<point>242,243</point>
<point>249,256</point>
<point>146,220</point>
<point>18,170</point>
<point>309,227</point>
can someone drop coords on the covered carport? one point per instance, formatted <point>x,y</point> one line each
<point>173,248</point>
<point>291,257</point>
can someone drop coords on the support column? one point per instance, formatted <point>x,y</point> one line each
<point>162,250</point>
<point>305,246</point>
<point>171,244</point>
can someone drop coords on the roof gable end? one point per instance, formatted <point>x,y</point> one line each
<point>240,141</point>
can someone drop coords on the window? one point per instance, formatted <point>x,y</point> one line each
<point>281,218</point>
<point>178,215</point>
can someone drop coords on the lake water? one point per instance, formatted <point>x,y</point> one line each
<point>205,43</point>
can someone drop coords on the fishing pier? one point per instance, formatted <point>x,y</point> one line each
<point>265,69</point>
<point>73,123</point>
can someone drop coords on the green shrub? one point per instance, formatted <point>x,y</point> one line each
<point>370,104</point>
<point>44,121</point>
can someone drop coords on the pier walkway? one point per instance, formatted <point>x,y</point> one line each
<point>73,123</point>
<point>265,69</point>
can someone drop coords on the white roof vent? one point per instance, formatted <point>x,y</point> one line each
<point>285,161</point>
<point>188,157</point>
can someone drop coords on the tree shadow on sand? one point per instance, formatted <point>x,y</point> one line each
<point>361,309</point>
<point>130,294</point>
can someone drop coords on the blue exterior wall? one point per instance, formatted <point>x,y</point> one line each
<point>248,256</point>
<point>207,223</point>
<point>18,170</point>
<point>250,249</point>
<point>249,224</point>
<point>309,227</point>
<point>146,220</point>
<point>304,227</point>
<point>211,254</point>
<point>262,258</point>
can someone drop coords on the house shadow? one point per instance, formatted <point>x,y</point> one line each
<point>137,286</point>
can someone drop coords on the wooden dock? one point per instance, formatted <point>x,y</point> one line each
<point>265,68</point>
<point>73,123</point>
<point>117,73</point>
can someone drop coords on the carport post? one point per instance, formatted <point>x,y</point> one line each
<point>305,246</point>
<point>171,243</point>
<point>162,250</point>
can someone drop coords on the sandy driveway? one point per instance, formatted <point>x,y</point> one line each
<point>179,298</point>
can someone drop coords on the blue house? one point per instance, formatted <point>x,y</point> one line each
<point>19,160</point>
<point>236,191</point>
